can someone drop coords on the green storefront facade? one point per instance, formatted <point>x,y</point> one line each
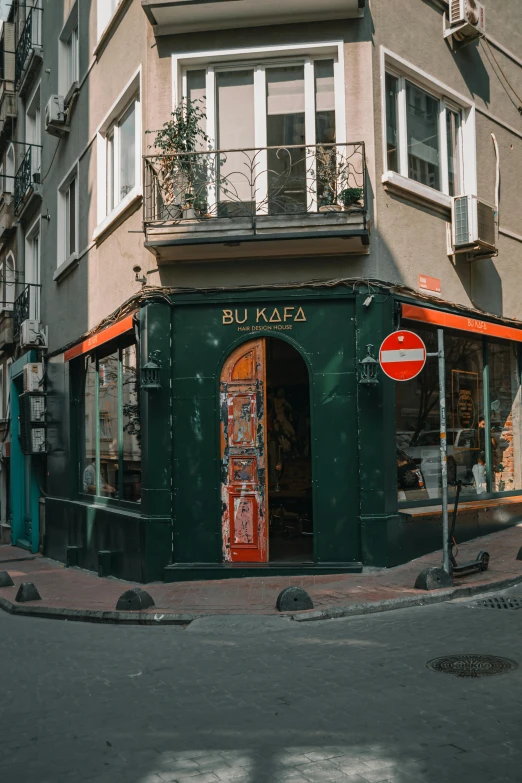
<point>347,485</point>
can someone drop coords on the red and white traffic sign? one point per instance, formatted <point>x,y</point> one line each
<point>402,355</point>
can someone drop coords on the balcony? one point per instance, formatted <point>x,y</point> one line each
<point>236,203</point>
<point>184,16</point>
<point>7,218</point>
<point>26,306</point>
<point>29,51</point>
<point>8,110</point>
<point>6,328</point>
<point>27,180</point>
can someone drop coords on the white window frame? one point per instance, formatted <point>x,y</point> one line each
<point>105,15</point>
<point>8,276</point>
<point>10,169</point>
<point>260,59</point>
<point>448,98</point>
<point>62,255</point>
<point>33,270</point>
<point>2,393</point>
<point>131,92</point>
<point>33,118</point>
<point>70,28</point>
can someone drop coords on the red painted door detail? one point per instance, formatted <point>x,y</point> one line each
<point>243,454</point>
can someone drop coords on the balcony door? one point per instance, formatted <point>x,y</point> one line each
<point>265,120</point>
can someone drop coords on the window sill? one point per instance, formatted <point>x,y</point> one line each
<point>414,512</point>
<point>65,268</point>
<point>129,201</point>
<point>110,27</point>
<point>417,192</point>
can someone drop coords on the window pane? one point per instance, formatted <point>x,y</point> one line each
<point>418,428</point>
<point>127,130</point>
<point>452,132</point>
<point>505,416</point>
<point>110,172</point>
<point>286,127</point>
<point>109,458</point>
<point>71,218</point>
<point>197,91</point>
<point>423,136</point>
<point>131,427</point>
<point>236,130</point>
<point>88,483</point>
<point>392,92</point>
<point>67,222</point>
<point>324,102</point>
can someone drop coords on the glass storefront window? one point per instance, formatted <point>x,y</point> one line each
<point>131,426</point>
<point>482,461</point>
<point>111,452</point>
<point>504,383</point>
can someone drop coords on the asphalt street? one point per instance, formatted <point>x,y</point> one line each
<point>256,700</point>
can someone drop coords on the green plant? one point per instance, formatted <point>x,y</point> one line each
<point>184,129</point>
<point>350,196</point>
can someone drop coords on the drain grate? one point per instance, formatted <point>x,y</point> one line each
<point>500,603</point>
<point>472,665</point>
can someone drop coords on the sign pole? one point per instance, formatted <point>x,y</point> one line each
<point>443,451</point>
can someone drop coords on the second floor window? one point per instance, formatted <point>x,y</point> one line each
<point>121,157</point>
<point>423,135</point>
<point>70,218</point>
<point>71,59</point>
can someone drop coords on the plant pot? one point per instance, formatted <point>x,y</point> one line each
<point>189,213</point>
<point>330,208</point>
<point>356,207</point>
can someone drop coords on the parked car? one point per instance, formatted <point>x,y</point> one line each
<point>462,452</point>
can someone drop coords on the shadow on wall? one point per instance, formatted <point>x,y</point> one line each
<point>481,282</point>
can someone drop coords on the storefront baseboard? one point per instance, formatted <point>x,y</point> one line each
<point>189,572</point>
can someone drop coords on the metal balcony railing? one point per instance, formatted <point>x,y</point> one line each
<point>251,183</point>
<point>27,175</point>
<point>30,38</point>
<point>21,310</point>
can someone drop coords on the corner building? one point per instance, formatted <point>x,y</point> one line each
<point>210,414</point>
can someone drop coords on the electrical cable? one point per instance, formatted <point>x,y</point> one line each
<point>51,163</point>
<point>518,106</point>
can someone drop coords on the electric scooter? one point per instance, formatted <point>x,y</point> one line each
<point>482,561</point>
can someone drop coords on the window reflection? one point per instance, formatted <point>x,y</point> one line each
<point>131,426</point>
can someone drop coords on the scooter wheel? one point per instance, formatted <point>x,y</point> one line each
<point>484,560</point>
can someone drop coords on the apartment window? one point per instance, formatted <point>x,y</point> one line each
<point>121,157</point>
<point>71,58</point>
<point>423,135</point>
<point>34,131</point>
<point>2,393</point>
<point>9,170</point>
<point>251,108</point>
<point>8,277</point>
<point>32,269</point>
<point>111,448</point>
<point>68,217</point>
<point>106,10</point>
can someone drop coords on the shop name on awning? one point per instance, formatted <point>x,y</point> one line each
<point>260,318</point>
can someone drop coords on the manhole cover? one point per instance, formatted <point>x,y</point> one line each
<point>500,603</point>
<point>472,665</point>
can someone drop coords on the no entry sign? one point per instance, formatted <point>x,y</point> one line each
<point>402,355</point>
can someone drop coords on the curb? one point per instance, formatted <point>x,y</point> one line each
<point>313,615</point>
<point>97,616</point>
<point>435,597</point>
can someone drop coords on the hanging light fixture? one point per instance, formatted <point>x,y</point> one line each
<point>150,373</point>
<point>368,368</point>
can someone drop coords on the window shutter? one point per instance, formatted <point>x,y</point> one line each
<point>9,52</point>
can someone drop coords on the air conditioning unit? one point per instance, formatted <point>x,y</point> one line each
<point>32,421</point>
<point>473,225</point>
<point>467,19</point>
<point>32,334</point>
<point>33,376</point>
<point>56,116</point>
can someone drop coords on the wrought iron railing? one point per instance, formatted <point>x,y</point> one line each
<point>27,175</point>
<point>249,183</point>
<point>30,37</point>
<point>21,309</point>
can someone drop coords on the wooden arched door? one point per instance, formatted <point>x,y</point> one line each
<point>243,454</point>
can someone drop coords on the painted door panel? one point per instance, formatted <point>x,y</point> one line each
<point>243,450</point>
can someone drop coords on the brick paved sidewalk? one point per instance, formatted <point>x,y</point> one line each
<point>73,589</point>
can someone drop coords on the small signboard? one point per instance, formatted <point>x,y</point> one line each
<point>430,284</point>
<point>402,355</point>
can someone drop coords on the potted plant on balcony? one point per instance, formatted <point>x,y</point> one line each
<point>350,198</point>
<point>181,175</point>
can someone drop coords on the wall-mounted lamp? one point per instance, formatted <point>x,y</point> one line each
<point>137,269</point>
<point>150,372</point>
<point>368,368</point>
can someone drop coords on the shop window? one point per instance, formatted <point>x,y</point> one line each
<point>111,459</point>
<point>483,455</point>
<point>504,381</point>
